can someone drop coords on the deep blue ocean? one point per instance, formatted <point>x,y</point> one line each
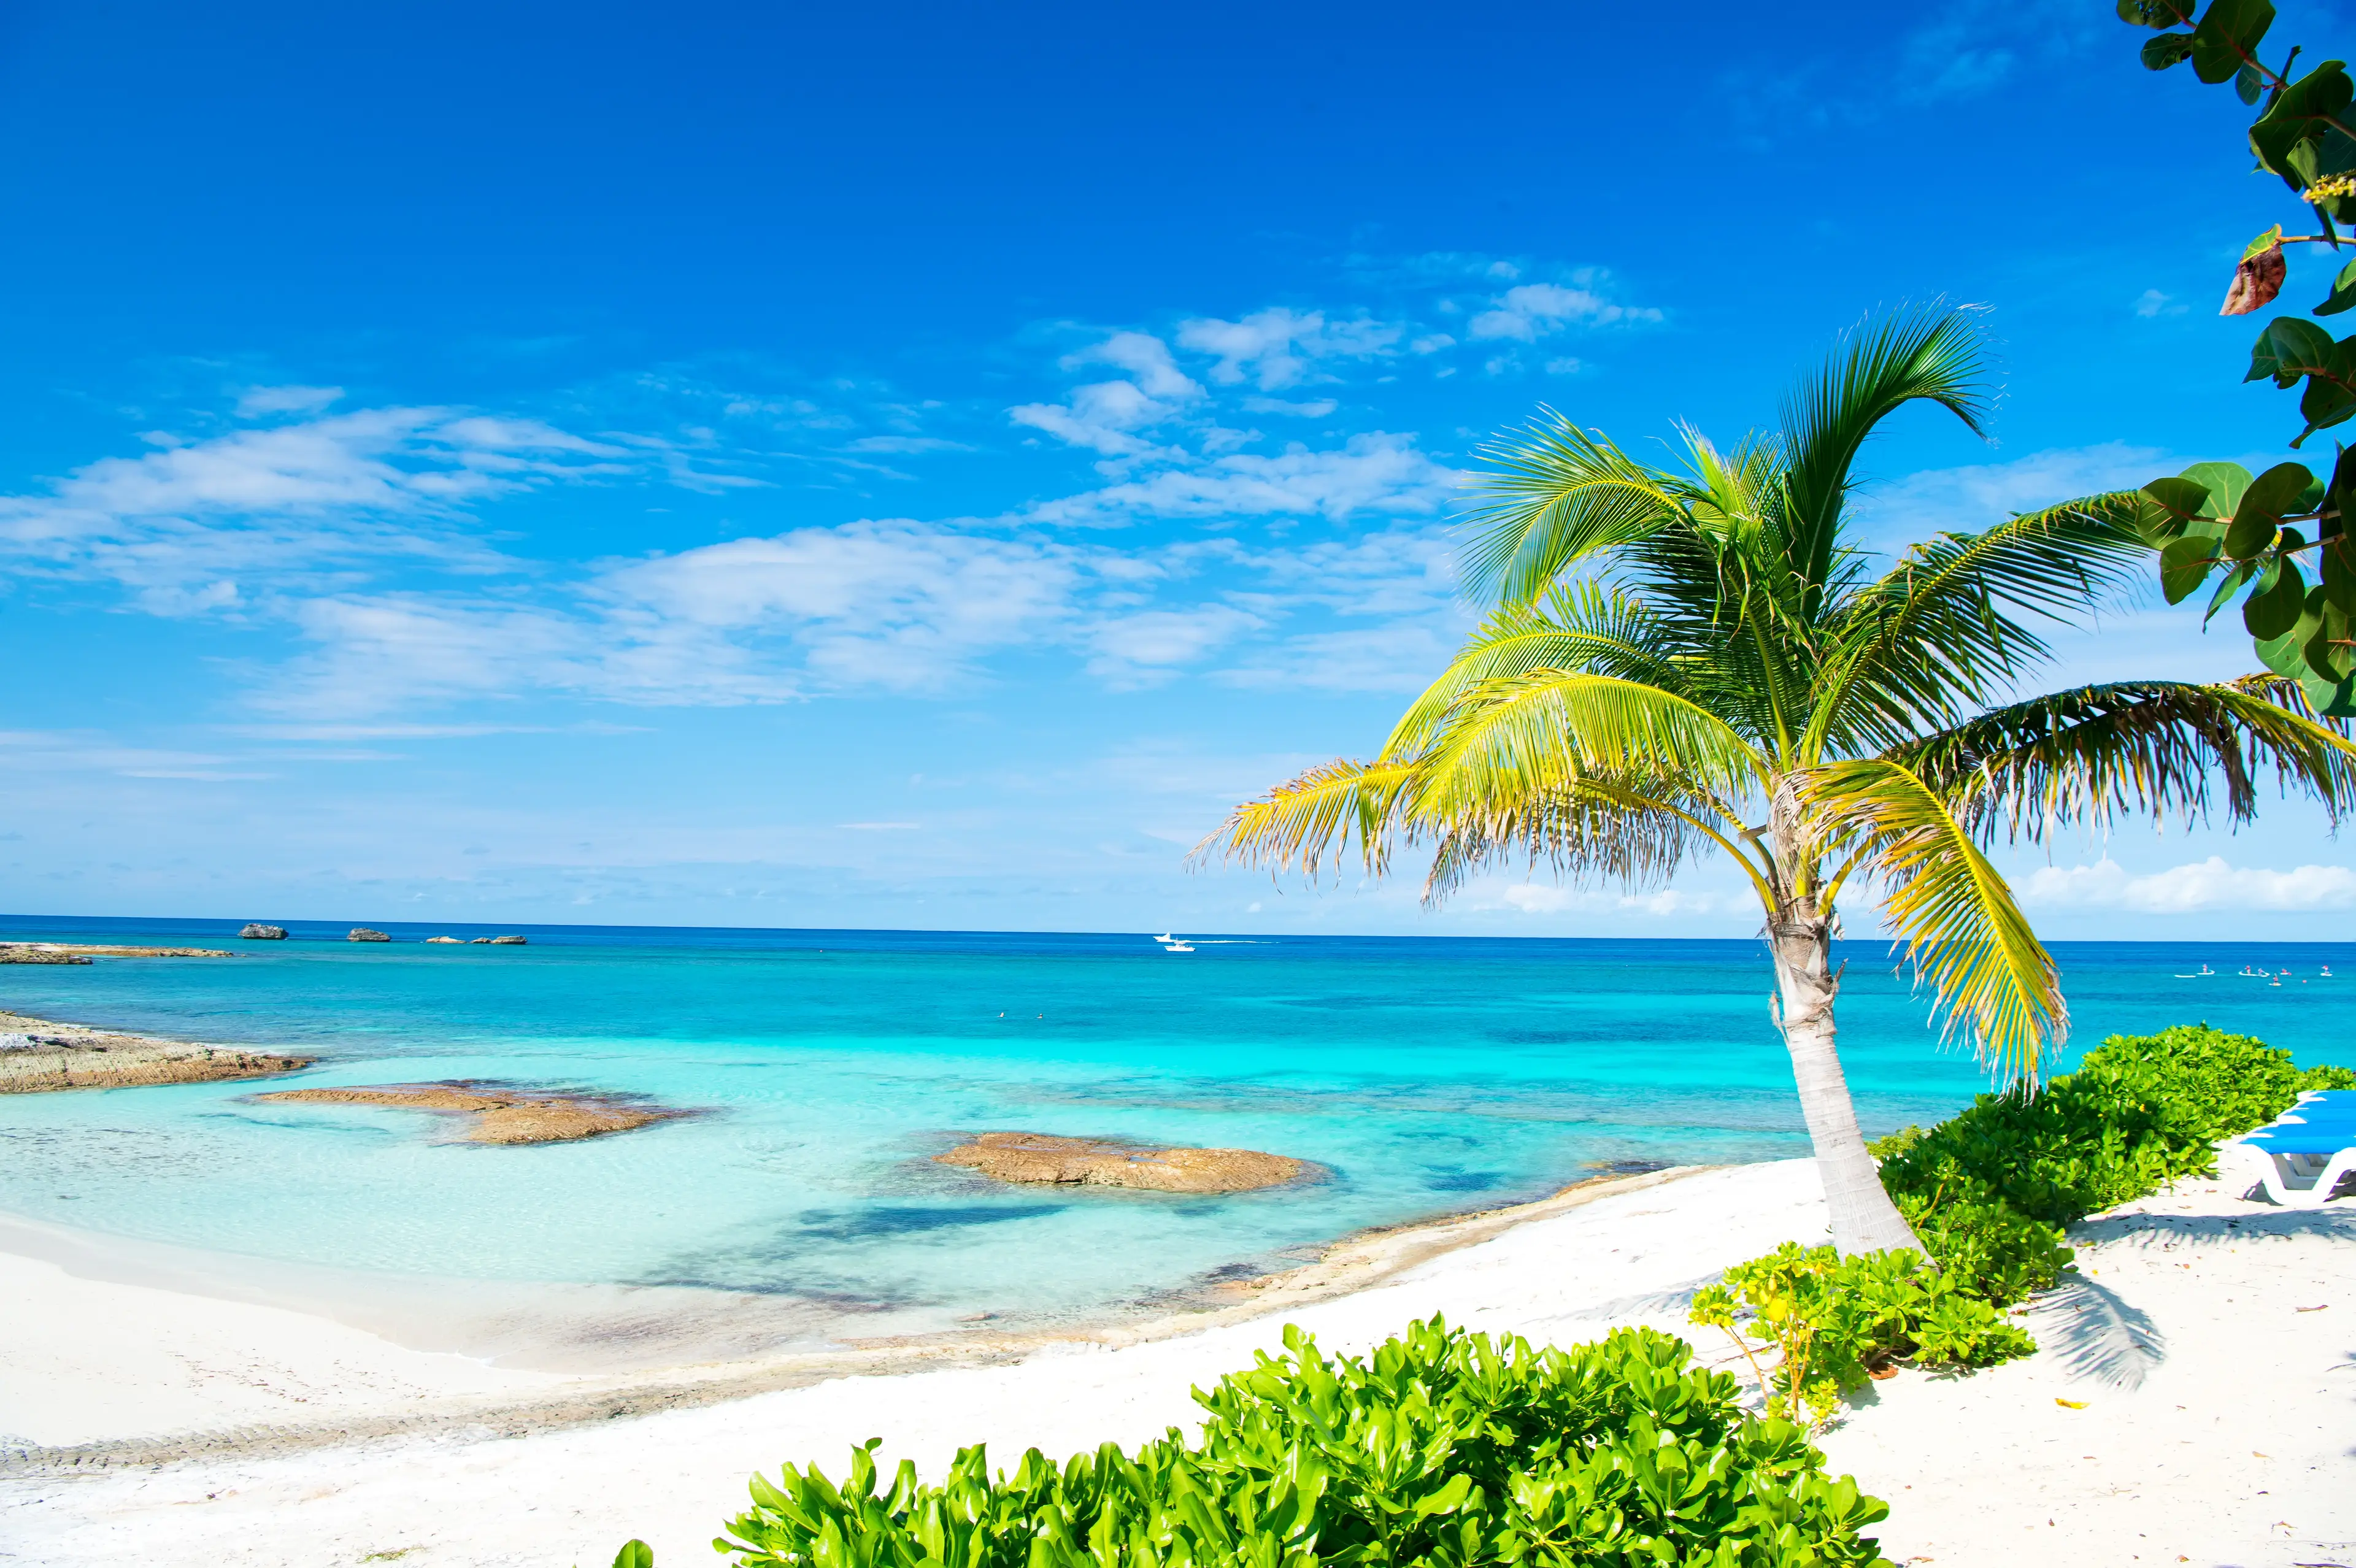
<point>1427,1074</point>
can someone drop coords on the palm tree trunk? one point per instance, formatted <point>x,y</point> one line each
<point>1864,1219</point>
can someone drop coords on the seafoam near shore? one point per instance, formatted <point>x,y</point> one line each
<point>2210,1403</point>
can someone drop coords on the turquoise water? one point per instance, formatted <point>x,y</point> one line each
<point>1427,1075</point>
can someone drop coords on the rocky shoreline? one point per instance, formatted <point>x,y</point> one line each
<point>83,952</point>
<point>37,1056</point>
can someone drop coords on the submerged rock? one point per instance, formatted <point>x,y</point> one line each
<point>365,934</point>
<point>1045,1157</point>
<point>501,1116</point>
<point>442,939</point>
<point>257,931</point>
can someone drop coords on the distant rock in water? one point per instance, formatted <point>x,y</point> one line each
<point>1044,1157</point>
<point>257,931</point>
<point>363,934</point>
<point>507,942</point>
<point>501,1116</point>
<point>17,952</point>
<point>442,939</point>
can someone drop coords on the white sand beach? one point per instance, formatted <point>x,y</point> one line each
<point>2206,1356</point>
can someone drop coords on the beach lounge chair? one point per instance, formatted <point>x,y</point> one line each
<point>2302,1156</point>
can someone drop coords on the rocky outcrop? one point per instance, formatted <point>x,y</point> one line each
<point>257,931</point>
<point>507,942</point>
<point>365,934</point>
<point>442,939</point>
<point>499,1115</point>
<point>1042,1158</point>
<point>36,1055</point>
<point>18,952</point>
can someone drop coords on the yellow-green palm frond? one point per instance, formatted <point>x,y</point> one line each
<point>1967,941</point>
<point>1555,496</point>
<point>1574,627</point>
<point>1312,823</point>
<point>2136,748</point>
<point>1938,630</point>
<point>1596,829</point>
<point>1509,743</point>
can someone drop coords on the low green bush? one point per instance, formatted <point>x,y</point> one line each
<point>1834,1321</point>
<point>1989,1189</point>
<point>1442,1448</point>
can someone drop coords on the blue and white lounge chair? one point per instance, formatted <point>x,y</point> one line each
<point>2302,1156</point>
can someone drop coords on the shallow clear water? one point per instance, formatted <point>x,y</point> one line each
<point>1427,1074</point>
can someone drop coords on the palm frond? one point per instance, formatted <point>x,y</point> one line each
<point>1311,823</point>
<point>1510,744</point>
<point>1581,627</point>
<point>1596,829</point>
<point>1934,356</point>
<point>1939,632</point>
<point>1555,496</point>
<point>1964,937</point>
<point>2136,748</point>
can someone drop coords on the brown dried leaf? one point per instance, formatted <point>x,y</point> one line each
<point>2256,281</point>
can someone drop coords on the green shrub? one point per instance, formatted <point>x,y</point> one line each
<point>1834,1321</point>
<point>1442,1448</point>
<point>2325,1077</point>
<point>1988,1190</point>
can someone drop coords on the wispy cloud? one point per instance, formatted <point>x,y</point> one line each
<point>2196,888</point>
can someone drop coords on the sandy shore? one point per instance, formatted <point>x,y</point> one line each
<point>2210,1421</point>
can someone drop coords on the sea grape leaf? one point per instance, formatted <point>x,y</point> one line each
<point>2230,585</point>
<point>2260,514</point>
<point>2338,574</point>
<point>2177,503</point>
<point>2300,118</point>
<point>2156,13</point>
<point>2223,481</point>
<point>2165,50</point>
<point>2289,347</point>
<point>2343,291</point>
<point>2275,609</point>
<point>2228,37</point>
<point>2184,566</point>
<point>2258,277</point>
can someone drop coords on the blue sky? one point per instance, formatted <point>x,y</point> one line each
<point>778,466</point>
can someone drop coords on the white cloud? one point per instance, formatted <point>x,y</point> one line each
<point>1547,897</point>
<point>1316,408</point>
<point>1396,658</point>
<point>1376,472</point>
<point>180,525</point>
<point>1528,311</point>
<point>1127,645</point>
<point>1147,357</point>
<point>1940,499</point>
<point>259,401</point>
<point>2152,302</point>
<point>1103,416</point>
<point>2204,885</point>
<point>1276,347</point>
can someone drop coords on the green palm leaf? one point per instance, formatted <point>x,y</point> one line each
<point>1965,938</point>
<point>2142,748</point>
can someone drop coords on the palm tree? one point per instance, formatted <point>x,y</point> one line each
<point>1677,663</point>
